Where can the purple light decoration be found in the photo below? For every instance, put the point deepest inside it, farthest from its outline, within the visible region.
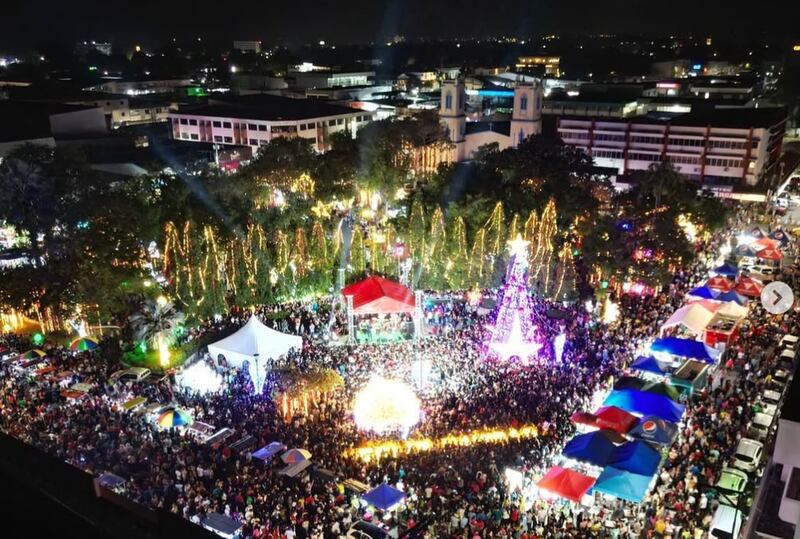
(514, 333)
(558, 346)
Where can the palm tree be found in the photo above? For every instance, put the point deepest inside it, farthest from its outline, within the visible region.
(155, 324)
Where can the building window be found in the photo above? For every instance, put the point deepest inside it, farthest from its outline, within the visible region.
(448, 101)
(340, 121)
(331, 122)
(538, 102)
(191, 122)
(184, 121)
(253, 142)
(252, 127)
(262, 127)
(523, 102)
(226, 125)
(217, 138)
(216, 123)
(194, 136)
(229, 140)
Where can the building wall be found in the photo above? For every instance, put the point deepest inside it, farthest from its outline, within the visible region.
(78, 123)
(702, 153)
(255, 133)
(474, 141)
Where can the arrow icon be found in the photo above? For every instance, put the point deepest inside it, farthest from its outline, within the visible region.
(775, 293)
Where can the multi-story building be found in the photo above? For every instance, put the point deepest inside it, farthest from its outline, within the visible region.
(247, 46)
(142, 87)
(719, 146)
(468, 137)
(305, 80)
(24, 122)
(119, 110)
(82, 48)
(252, 121)
(548, 65)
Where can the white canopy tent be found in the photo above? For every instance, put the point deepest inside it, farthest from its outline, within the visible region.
(731, 309)
(254, 338)
(693, 317)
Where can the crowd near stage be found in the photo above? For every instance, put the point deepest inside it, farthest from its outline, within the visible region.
(439, 416)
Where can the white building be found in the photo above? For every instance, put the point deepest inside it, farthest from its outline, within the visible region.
(306, 80)
(143, 87)
(247, 46)
(720, 146)
(526, 119)
(24, 122)
(253, 121)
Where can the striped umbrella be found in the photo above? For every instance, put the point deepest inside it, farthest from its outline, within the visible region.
(33, 354)
(174, 418)
(295, 455)
(83, 344)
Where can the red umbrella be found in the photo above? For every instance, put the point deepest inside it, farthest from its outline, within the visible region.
(566, 483)
(614, 418)
(765, 243)
(719, 283)
(748, 286)
(769, 253)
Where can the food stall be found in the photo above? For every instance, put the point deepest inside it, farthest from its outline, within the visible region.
(692, 376)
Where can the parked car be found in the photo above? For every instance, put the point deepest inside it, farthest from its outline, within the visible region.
(732, 483)
(748, 455)
(133, 374)
(761, 425)
(762, 272)
(726, 523)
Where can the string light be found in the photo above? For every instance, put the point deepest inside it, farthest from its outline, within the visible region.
(377, 450)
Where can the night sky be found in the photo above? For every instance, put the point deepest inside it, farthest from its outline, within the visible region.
(30, 22)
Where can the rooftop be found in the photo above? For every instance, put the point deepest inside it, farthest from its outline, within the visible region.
(501, 127)
(25, 120)
(733, 118)
(268, 108)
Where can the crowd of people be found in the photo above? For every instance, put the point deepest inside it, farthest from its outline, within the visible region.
(460, 492)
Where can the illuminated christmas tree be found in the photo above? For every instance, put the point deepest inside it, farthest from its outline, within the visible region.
(514, 333)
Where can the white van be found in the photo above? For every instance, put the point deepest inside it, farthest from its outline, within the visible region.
(726, 523)
(732, 483)
(760, 425)
(789, 340)
(748, 455)
(134, 374)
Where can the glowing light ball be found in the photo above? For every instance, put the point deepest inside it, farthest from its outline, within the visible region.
(385, 406)
(201, 378)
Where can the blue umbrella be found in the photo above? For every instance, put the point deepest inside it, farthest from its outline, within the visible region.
(592, 447)
(636, 457)
(384, 497)
(656, 430)
(621, 484)
(704, 292)
(727, 269)
(732, 296)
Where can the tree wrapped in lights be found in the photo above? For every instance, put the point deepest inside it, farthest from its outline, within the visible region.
(495, 231)
(477, 257)
(416, 232)
(514, 334)
(543, 248)
(457, 259)
(318, 252)
(565, 283)
(357, 252)
(300, 256)
(435, 260)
